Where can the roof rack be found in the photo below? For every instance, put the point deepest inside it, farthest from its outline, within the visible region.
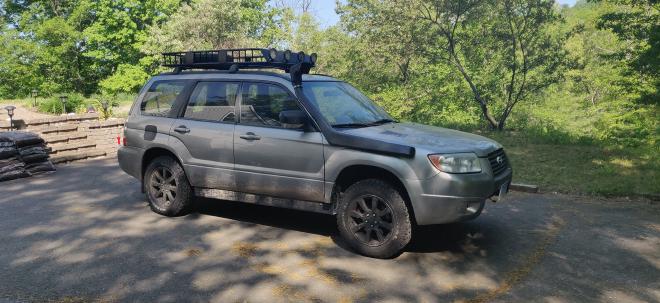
(240, 58)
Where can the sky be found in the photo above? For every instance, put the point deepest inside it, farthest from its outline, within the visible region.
(325, 11)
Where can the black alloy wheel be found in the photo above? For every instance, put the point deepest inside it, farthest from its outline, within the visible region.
(168, 190)
(163, 186)
(371, 220)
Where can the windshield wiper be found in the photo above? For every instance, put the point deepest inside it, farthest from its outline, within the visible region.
(358, 125)
(383, 121)
(351, 125)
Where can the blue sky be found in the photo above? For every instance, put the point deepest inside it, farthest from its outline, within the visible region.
(325, 10)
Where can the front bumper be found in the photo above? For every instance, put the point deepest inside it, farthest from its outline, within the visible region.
(447, 198)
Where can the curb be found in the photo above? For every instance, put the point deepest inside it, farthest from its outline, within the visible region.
(526, 188)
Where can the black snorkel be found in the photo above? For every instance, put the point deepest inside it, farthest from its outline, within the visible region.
(334, 136)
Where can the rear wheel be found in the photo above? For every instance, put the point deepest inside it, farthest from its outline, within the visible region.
(167, 187)
(373, 218)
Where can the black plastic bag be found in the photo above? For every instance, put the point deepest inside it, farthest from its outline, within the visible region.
(32, 150)
(10, 165)
(40, 167)
(7, 152)
(34, 158)
(16, 174)
(21, 139)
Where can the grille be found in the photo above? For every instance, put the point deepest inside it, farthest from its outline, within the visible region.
(498, 167)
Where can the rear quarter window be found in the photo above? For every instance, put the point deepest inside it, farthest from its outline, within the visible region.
(159, 99)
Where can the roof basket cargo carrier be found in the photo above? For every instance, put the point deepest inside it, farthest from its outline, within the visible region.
(294, 63)
(240, 58)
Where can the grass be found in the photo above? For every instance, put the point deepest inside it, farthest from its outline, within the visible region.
(27, 102)
(582, 168)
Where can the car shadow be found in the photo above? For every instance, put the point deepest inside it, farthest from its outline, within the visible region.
(426, 239)
(307, 222)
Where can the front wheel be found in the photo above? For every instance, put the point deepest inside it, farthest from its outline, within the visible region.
(373, 218)
(167, 187)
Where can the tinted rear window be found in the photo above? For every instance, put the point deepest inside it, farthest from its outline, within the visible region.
(160, 98)
(213, 101)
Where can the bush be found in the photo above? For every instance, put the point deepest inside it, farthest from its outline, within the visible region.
(53, 105)
(629, 127)
(127, 79)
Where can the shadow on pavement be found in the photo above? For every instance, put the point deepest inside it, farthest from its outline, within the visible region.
(427, 239)
(86, 232)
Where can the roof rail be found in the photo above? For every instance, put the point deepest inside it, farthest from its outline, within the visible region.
(239, 58)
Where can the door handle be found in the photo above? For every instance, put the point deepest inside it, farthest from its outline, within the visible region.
(250, 136)
(182, 129)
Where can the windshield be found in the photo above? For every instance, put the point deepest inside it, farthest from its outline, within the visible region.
(342, 105)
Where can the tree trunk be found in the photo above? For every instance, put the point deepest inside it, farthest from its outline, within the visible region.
(475, 91)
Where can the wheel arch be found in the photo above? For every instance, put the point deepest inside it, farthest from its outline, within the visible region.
(153, 153)
(354, 173)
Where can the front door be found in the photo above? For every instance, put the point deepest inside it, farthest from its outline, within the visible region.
(272, 158)
(206, 132)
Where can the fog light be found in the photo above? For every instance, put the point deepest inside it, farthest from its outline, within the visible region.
(472, 207)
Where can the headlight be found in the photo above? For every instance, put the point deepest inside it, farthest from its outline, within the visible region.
(456, 163)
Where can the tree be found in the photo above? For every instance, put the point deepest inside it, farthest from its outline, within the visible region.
(48, 39)
(17, 73)
(502, 49)
(208, 24)
(303, 5)
(593, 75)
(387, 39)
(75, 44)
(637, 22)
(119, 29)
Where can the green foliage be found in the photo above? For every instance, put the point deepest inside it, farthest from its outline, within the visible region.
(16, 78)
(70, 46)
(504, 51)
(107, 112)
(53, 105)
(629, 125)
(637, 22)
(209, 24)
(592, 74)
(120, 28)
(127, 79)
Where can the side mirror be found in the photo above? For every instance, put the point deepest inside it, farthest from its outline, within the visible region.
(295, 119)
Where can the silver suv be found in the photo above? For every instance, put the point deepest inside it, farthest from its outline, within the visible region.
(221, 127)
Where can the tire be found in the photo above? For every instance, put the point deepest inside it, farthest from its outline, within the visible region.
(167, 188)
(364, 226)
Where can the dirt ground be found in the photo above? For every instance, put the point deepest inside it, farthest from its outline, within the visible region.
(21, 113)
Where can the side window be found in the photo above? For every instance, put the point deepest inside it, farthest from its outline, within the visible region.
(159, 99)
(262, 104)
(213, 101)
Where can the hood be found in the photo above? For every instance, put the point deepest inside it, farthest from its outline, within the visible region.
(428, 138)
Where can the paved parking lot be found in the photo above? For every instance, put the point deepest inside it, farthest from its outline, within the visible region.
(85, 233)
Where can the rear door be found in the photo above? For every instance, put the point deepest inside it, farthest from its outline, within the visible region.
(151, 120)
(271, 158)
(206, 129)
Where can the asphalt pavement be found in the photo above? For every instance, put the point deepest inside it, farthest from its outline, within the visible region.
(86, 234)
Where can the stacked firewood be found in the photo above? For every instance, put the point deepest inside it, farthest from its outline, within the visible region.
(22, 154)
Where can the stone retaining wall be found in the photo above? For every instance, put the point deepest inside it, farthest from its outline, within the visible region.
(75, 137)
